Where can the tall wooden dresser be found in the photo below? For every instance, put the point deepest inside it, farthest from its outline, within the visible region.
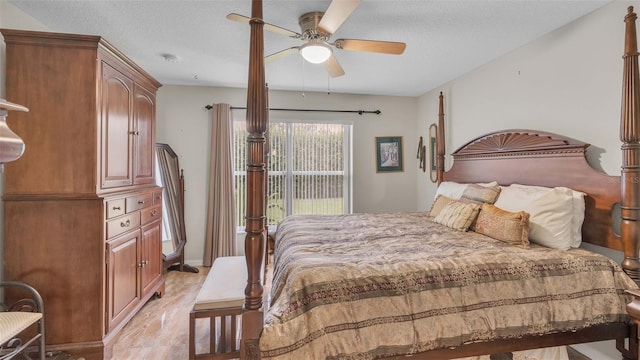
(82, 213)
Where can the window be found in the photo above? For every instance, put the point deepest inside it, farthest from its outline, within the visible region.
(308, 170)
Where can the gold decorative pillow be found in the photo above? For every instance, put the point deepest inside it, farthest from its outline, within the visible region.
(510, 227)
(440, 202)
(458, 215)
(481, 194)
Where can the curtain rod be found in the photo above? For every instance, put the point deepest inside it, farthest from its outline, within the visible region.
(359, 112)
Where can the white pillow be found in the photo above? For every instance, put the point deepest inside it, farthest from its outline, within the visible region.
(451, 189)
(550, 213)
(577, 215)
(454, 190)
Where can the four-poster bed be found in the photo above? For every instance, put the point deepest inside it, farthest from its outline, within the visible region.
(508, 157)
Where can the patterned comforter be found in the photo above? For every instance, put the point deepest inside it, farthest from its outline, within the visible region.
(362, 286)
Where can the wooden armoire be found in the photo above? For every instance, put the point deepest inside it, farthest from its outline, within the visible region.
(82, 213)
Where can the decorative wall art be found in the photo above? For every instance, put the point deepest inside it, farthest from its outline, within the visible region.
(433, 132)
(421, 155)
(389, 154)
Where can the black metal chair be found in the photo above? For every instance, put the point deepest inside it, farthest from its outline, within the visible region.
(26, 313)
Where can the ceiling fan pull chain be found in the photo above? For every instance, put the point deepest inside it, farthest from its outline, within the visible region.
(302, 62)
(328, 85)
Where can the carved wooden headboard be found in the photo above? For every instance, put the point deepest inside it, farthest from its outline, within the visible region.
(532, 157)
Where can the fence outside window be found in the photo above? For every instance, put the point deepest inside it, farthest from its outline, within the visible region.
(308, 169)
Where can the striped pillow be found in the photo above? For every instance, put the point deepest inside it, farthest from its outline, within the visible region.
(440, 202)
(458, 215)
(481, 194)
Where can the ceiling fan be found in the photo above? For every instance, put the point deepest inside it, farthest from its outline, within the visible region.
(316, 29)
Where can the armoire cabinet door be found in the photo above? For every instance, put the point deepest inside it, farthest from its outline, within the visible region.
(144, 134)
(150, 256)
(117, 128)
(123, 286)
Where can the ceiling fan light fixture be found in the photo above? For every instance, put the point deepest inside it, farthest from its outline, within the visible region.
(315, 52)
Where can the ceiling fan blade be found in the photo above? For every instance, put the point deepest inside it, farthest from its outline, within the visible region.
(337, 12)
(281, 54)
(384, 47)
(269, 27)
(333, 67)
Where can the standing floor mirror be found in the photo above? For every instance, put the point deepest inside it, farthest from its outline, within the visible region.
(174, 237)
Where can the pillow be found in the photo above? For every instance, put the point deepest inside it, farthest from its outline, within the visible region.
(510, 227)
(458, 215)
(549, 211)
(450, 189)
(577, 216)
(440, 202)
(455, 190)
(481, 194)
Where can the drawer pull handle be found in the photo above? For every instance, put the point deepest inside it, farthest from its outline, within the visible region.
(116, 208)
(154, 212)
(126, 223)
(140, 202)
(143, 263)
(134, 132)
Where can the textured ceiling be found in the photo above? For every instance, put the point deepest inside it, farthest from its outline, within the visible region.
(444, 38)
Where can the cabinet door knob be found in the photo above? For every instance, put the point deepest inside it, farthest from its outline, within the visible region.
(154, 212)
(125, 223)
(140, 202)
(134, 132)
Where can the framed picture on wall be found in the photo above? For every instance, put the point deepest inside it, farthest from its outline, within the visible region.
(389, 154)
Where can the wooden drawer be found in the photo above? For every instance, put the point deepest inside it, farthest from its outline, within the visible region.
(157, 197)
(115, 208)
(151, 214)
(123, 224)
(138, 202)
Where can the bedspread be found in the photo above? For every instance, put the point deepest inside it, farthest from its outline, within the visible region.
(361, 286)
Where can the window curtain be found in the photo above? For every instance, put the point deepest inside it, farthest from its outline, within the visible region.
(221, 222)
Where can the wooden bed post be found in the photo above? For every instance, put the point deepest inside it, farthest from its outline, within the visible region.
(440, 144)
(257, 120)
(630, 136)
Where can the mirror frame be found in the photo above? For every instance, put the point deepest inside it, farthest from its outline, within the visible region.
(172, 178)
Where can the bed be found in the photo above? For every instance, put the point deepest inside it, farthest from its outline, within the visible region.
(432, 292)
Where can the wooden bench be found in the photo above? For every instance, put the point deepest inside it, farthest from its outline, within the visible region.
(220, 300)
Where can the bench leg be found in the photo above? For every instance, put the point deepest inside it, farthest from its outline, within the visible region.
(192, 336)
